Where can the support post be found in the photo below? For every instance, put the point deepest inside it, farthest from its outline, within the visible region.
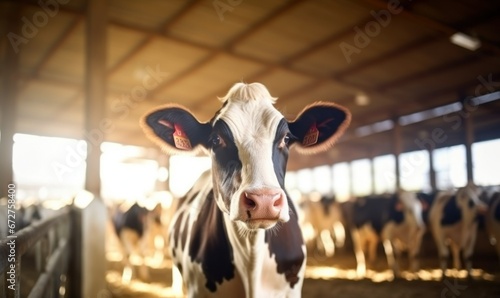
(469, 140)
(96, 125)
(351, 179)
(372, 172)
(8, 94)
(432, 172)
(398, 145)
(94, 217)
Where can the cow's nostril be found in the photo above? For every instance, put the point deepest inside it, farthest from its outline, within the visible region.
(278, 202)
(249, 203)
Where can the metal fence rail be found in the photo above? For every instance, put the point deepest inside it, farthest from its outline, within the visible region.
(48, 240)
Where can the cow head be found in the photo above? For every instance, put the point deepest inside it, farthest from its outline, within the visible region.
(248, 140)
(468, 197)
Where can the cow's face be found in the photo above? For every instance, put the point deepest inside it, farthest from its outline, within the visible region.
(249, 140)
(468, 197)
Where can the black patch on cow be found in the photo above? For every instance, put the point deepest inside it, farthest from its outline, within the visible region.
(280, 155)
(471, 203)
(427, 199)
(157, 219)
(285, 245)
(179, 266)
(396, 214)
(178, 232)
(227, 162)
(326, 203)
(496, 210)
(376, 211)
(132, 219)
(210, 245)
(452, 214)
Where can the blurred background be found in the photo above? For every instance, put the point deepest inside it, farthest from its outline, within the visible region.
(421, 79)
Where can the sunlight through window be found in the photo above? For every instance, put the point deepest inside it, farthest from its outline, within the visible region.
(361, 177)
(184, 171)
(322, 179)
(414, 171)
(450, 167)
(486, 161)
(385, 174)
(126, 173)
(48, 167)
(341, 181)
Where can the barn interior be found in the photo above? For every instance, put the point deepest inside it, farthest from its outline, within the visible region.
(416, 76)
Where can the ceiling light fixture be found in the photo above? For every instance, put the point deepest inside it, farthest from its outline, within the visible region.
(362, 99)
(465, 41)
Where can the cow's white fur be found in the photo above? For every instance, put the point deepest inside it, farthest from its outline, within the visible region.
(460, 236)
(253, 120)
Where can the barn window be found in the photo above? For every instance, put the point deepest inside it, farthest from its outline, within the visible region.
(450, 167)
(486, 162)
(361, 177)
(342, 181)
(291, 180)
(126, 172)
(414, 171)
(385, 174)
(48, 167)
(323, 179)
(184, 171)
(305, 181)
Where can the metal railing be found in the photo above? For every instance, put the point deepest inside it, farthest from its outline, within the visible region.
(41, 251)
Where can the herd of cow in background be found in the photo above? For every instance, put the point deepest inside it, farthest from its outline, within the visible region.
(396, 221)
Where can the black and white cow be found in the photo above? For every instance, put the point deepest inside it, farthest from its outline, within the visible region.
(395, 220)
(492, 217)
(324, 218)
(135, 227)
(491, 196)
(453, 220)
(236, 232)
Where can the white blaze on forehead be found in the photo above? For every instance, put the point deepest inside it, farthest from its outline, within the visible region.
(253, 120)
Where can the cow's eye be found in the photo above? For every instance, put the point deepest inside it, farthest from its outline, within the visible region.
(285, 141)
(216, 142)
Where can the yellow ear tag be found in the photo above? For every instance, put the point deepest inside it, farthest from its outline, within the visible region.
(311, 136)
(180, 139)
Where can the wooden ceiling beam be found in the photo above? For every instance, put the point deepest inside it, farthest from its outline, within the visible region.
(456, 88)
(56, 45)
(388, 55)
(430, 71)
(368, 118)
(150, 36)
(486, 47)
(163, 34)
(228, 46)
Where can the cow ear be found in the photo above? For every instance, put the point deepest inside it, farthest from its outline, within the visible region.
(319, 126)
(175, 129)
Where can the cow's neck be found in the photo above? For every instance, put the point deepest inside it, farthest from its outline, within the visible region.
(251, 258)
